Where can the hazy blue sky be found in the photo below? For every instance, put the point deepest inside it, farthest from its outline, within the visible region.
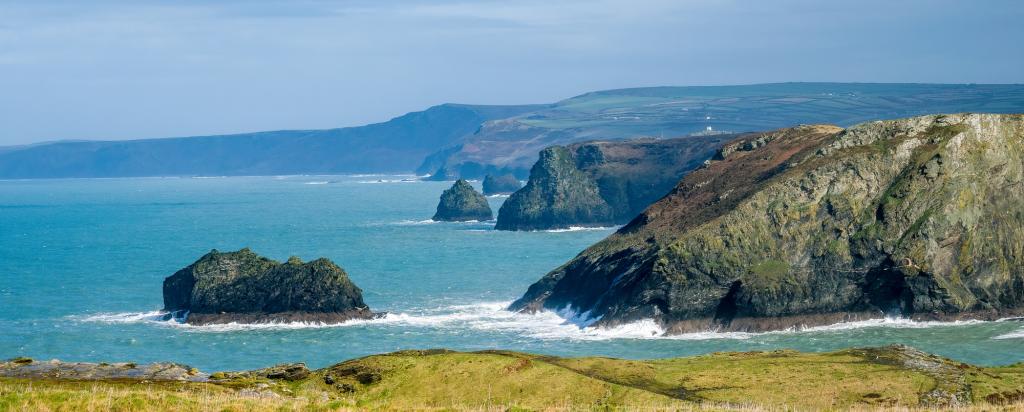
(131, 69)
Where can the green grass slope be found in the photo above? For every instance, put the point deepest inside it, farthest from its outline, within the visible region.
(879, 378)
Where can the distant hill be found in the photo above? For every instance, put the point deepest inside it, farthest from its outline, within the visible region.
(470, 141)
(512, 144)
(398, 145)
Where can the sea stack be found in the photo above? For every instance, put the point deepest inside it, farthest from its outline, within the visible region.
(504, 184)
(602, 183)
(243, 287)
(462, 203)
(918, 218)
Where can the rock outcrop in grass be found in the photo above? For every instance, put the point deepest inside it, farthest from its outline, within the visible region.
(243, 287)
(921, 218)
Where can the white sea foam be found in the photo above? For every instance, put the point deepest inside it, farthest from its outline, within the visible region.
(432, 222)
(318, 182)
(1012, 335)
(162, 318)
(579, 229)
(498, 196)
(131, 317)
(389, 181)
(563, 324)
(416, 222)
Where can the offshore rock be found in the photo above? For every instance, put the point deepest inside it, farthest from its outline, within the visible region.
(921, 218)
(602, 183)
(503, 184)
(244, 287)
(462, 203)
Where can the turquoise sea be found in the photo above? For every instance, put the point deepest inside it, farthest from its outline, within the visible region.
(82, 261)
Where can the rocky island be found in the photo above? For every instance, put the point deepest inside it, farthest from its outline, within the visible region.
(462, 203)
(243, 287)
(602, 183)
(501, 184)
(919, 218)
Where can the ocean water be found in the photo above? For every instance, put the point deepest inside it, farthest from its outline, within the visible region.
(82, 261)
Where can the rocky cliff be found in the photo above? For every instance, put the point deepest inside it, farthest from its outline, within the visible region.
(501, 184)
(920, 217)
(462, 203)
(602, 183)
(247, 288)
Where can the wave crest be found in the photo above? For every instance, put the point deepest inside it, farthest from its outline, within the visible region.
(563, 324)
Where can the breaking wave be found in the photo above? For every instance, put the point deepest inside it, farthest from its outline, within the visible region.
(1012, 335)
(408, 180)
(564, 324)
(580, 229)
(416, 222)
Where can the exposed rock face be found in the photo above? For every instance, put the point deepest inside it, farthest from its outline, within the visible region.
(285, 371)
(462, 203)
(247, 288)
(920, 217)
(502, 184)
(602, 183)
(26, 368)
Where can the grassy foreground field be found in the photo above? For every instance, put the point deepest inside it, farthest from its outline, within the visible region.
(891, 378)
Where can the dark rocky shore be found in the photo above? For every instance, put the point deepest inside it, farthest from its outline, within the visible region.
(244, 287)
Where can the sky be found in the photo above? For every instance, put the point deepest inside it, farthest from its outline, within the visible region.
(128, 69)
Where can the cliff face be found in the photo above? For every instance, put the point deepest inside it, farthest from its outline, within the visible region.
(245, 287)
(920, 217)
(602, 183)
(462, 203)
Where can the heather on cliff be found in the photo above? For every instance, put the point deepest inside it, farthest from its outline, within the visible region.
(920, 217)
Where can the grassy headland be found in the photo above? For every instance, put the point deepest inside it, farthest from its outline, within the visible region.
(892, 378)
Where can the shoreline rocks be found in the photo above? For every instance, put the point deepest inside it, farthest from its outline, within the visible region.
(244, 287)
(814, 225)
(27, 368)
(462, 203)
